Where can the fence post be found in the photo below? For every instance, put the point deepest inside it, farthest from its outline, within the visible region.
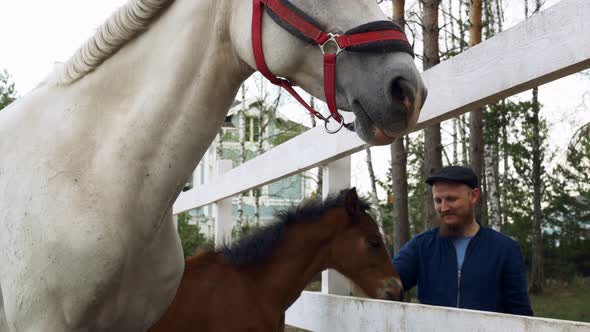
(221, 213)
(335, 178)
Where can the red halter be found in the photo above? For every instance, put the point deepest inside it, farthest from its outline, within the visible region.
(330, 44)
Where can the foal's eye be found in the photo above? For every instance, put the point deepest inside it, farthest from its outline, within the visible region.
(374, 243)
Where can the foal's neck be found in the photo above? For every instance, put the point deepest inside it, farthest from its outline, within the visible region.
(304, 252)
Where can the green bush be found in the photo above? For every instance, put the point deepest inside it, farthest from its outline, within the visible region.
(190, 235)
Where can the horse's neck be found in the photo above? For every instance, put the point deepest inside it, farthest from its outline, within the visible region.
(160, 100)
(305, 251)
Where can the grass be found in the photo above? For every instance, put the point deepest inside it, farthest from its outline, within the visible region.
(563, 301)
(568, 301)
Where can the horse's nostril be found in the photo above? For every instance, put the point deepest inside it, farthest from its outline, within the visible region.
(403, 92)
(393, 296)
(389, 296)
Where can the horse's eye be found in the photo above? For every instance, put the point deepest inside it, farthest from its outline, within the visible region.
(374, 243)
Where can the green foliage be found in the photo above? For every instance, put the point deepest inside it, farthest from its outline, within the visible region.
(565, 190)
(415, 169)
(516, 149)
(284, 131)
(190, 235)
(7, 90)
(568, 213)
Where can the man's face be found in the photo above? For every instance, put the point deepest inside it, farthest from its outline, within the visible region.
(454, 203)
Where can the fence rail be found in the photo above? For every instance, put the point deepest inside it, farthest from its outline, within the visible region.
(326, 313)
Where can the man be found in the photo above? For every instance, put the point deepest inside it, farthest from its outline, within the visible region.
(461, 263)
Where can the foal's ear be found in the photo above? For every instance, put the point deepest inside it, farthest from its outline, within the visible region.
(351, 202)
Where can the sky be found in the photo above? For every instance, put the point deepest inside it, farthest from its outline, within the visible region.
(34, 34)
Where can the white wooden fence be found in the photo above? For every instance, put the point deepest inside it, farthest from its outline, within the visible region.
(548, 46)
(321, 312)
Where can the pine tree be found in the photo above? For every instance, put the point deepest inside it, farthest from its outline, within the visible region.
(399, 174)
(537, 274)
(432, 136)
(242, 141)
(476, 146)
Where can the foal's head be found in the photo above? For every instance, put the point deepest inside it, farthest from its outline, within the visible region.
(358, 251)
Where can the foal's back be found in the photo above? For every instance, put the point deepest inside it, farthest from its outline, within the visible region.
(213, 296)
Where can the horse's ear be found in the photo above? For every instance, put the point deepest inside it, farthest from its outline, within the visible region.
(351, 202)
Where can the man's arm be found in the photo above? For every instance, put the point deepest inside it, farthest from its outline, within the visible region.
(514, 293)
(406, 264)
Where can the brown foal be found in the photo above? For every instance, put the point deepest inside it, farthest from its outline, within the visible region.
(249, 286)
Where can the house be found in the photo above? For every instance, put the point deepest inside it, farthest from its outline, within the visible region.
(265, 126)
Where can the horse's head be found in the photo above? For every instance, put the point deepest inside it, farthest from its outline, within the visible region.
(359, 253)
(378, 81)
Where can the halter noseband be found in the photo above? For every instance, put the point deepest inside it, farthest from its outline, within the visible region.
(378, 36)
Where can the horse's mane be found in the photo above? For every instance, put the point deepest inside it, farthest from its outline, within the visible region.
(257, 246)
(124, 24)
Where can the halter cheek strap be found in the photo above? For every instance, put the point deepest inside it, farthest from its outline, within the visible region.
(379, 36)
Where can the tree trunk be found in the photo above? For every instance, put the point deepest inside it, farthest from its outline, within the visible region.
(537, 271)
(464, 139)
(320, 175)
(432, 164)
(432, 138)
(399, 174)
(256, 193)
(399, 15)
(499, 14)
(455, 141)
(262, 116)
(219, 149)
(401, 222)
(461, 27)
(476, 153)
(493, 197)
(374, 197)
(459, 134)
(476, 117)
(242, 141)
(492, 146)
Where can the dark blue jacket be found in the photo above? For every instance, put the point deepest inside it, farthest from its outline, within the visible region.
(493, 276)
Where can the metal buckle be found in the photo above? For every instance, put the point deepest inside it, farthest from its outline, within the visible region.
(333, 131)
(331, 40)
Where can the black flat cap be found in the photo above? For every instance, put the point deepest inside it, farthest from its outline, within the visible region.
(459, 174)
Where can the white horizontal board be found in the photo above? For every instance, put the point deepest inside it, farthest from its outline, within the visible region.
(326, 313)
(548, 46)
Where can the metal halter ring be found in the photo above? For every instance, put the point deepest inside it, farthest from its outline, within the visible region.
(333, 40)
(337, 129)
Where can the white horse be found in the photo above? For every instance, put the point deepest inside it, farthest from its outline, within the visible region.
(92, 160)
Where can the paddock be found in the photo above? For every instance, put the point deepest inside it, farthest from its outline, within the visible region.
(548, 46)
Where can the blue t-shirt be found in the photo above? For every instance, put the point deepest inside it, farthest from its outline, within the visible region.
(460, 248)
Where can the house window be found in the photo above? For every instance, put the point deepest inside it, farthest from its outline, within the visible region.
(252, 129)
(230, 135)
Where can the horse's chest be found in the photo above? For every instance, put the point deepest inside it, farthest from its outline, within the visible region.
(99, 278)
(151, 280)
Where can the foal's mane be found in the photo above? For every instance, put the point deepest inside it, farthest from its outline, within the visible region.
(122, 26)
(261, 243)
